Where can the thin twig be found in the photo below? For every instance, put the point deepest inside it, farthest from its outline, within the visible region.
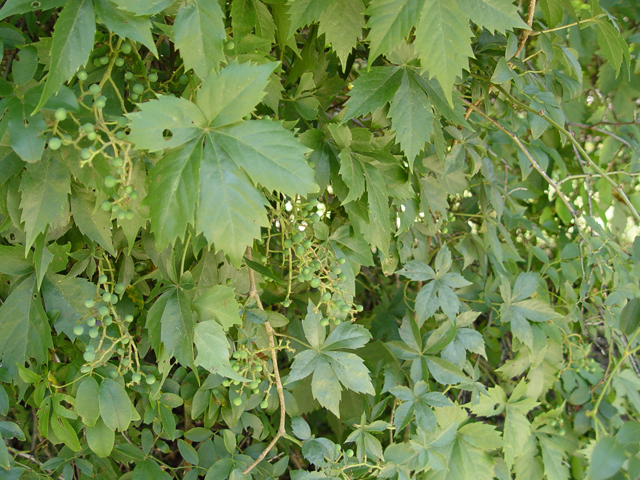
(253, 293)
(29, 457)
(604, 132)
(525, 33)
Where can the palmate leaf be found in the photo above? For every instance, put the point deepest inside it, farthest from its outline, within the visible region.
(389, 22)
(125, 24)
(219, 303)
(372, 90)
(342, 23)
(25, 327)
(443, 42)
(305, 12)
(213, 350)
(494, 15)
(177, 326)
(71, 45)
(143, 7)
(199, 35)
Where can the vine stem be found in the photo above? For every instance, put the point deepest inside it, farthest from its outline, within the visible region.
(253, 293)
(526, 33)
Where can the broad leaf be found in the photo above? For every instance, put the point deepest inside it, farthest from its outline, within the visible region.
(177, 325)
(125, 24)
(100, 439)
(342, 23)
(92, 222)
(219, 303)
(115, 406)
(494, 15)
(305, 12)
(213, 350)
(372, 91)
(389, 22)
(87, 401)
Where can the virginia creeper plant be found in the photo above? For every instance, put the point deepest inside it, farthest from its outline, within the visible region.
(319, 239)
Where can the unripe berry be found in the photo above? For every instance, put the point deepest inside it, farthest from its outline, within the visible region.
(89, 356)
(152, 77)
(61, 114)
(100, 102)
(85, 154)
(119, 288)
(93, 332)
(297, 237)
(299, 250)
(55, 143)
(342, 260)
(128, 75)
(349, 453)
(136, 377)
(78, 330)
(94, 89)
(150, 379)
(117, 162)
(85, 369)
(288, 243)
(109, 181)
(125, 48)
(138, 88)
(129, 215)
(82, 75)
(128, 318)
(120, 135)
(91, 321)
(113, 374)
(121, 215)
(106, 296)
(89, 303)
(286, 303)
(119, 62)
(183, 79)
(324, 322)
(103, 311)
(92, 136)
(104, 60)
(66, 139)
(264, 404)
(108, 320)
(229, 45)
(315, 283)
(237, 401)
(342, 277)
(326, 296)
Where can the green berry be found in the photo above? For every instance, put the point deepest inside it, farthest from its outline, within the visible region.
(315, 218)
(286, 303)
(314, 283)
(342, 277)
(87, 127)
(85, 369)
(120, 351)
(129, 215)
(133, 195)
(125, 340)
(359, 308)
(96, 62)
(308, 277)
(237, 401)
(119, 288)
(301, 277)
(326, 296)
(121, 215)
(117, 162)
(136, 377)
(134, 97)
(349, 453)
(297, 237)
(150, 379)
(119, 62)
(113, 374)
(344, 309)
(78, 330)
(324, 322)
(94, 89)
(92, 136)
(89, 348)
(342, 260)
(306, 244)
(229, 45)
(82, 75)
(264, 404)
(66, 139)
(152, 77)
(138, 88)
(337, 270)
(125, 48)
(89, 356)
(109, 181)
(120, 135)
(104, 60)
(106, 296)
(337, 321)
(106, 205)
(128, 75)
(100, 102)
(108, 320)
(61, 114)
(263, 259)
(93, 332)
(253, 385)
(125, 362)
(91, 321)
(103, 311)
(85, 154)
(226, 383)
(299, 250)
(128, 318)
(288, 243)
(183, 79)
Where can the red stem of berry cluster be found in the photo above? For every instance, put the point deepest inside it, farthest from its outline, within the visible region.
(253, 293)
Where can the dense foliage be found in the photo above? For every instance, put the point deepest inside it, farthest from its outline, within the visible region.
(314, 239)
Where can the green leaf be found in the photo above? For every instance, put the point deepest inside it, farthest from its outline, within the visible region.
(26, 332)
(167, 122)
(443, 42)
(149, 468)
(93, 222)
(352, 172)
(13, 261)
(42, 258)
(143, 7)
(630, 316)
(494, 15)
(305, 12)
(227, 97)
(115, 406)
(13, 7)
(125, 24)
(606, 459)
(4, 402)
(372, 91)
(219, 303)
(389, 22)
(269, 154)
(45, 186)
(445, 372)
(342, 23)
(25, 133)
(300, 428)
(612, 45)
(347, 335)
(100, 438)
(67, 296)
(188, 453)
(411, 117)
(555, 468)
(5, 458)
(65, 432)
(213, 350)
(173, 193)
(87, 401)
(71, 45)
(516, 433)
(176, 330)
(231, 210)
(199, 35)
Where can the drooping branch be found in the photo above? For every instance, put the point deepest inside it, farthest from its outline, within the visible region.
(253, 293)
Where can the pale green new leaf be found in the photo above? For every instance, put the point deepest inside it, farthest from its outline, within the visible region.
(213, 350)
(125, 24)
(92, 222)
(342, 25)
(45, 186)
(115, 406)
(389, 22)
(164, 123)
(494, 15)
(226, 97)
(269, 154)
(372, 91)
(100, 438)
(199, 35)
(443, 42)
(177, 325)
(305, 12)
(218, 303)
(173, 192)
(26, 332)
(71, 45)
(411, 117)
(231, 210)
